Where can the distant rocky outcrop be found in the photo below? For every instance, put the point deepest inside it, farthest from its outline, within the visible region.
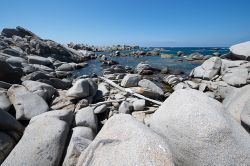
(24, 42)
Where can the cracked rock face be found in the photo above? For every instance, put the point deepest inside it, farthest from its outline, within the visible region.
(208, 69)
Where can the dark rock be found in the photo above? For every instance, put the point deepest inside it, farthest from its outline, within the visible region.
(36, 76)
(16, 61)
(9, 74)
(12, 52)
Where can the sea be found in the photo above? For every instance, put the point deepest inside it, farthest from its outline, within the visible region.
(94, 66)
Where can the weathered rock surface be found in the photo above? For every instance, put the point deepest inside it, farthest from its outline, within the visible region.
(241, 51)
(86, 117)
(80, 140)
(245, 116)
(16, 61)
(235, 73)
(100, 109)
(34, 76)
(42, 143)
(139, 105)
(150, 85)
(145, 69)
(62, 101)
(83, 88)
(130, 142)
(146, 92)
(208, 69)
(130, 80)
(39, 60)
(171, 80)
(4, 101)
(27, 104)
(103, 88)
(44, 90)
(125, 107)
(235, 102)
(200, 131)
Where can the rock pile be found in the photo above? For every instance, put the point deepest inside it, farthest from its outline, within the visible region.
(48, 118)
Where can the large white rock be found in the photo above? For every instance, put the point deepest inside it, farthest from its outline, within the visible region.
(200, 131)
(236, 76)
(42, 143)
(130, 80)
(235, 73)
(27, 104)
(241, 51)
(235, 102)
(150, 85)
(103, 88)
(125, 141)
(139, 105)
(208, 69)
(44, 90)
(83, 88)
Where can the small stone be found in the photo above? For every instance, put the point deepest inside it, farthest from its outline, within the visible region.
(139, 105)
(100, 109)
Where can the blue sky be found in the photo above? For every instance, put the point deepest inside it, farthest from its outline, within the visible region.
(144, 22)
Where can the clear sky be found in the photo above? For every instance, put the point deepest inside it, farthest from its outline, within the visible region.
(144, 22)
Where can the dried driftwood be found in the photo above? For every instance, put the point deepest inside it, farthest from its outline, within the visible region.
(105, 102)
(129, 91)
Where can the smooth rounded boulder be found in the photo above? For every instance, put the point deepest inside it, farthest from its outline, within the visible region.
(200, 131)
(86, 117)
(125, 141)
(130, 80)
(44, 90)
(82, 88)
(150, 85)
(43, 141)
(241, 51)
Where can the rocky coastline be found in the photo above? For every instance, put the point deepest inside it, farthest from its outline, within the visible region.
(126, 116)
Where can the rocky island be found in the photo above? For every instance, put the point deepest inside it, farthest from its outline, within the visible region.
(140, 115)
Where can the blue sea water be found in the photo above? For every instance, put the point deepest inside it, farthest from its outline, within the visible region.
(94, 66)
